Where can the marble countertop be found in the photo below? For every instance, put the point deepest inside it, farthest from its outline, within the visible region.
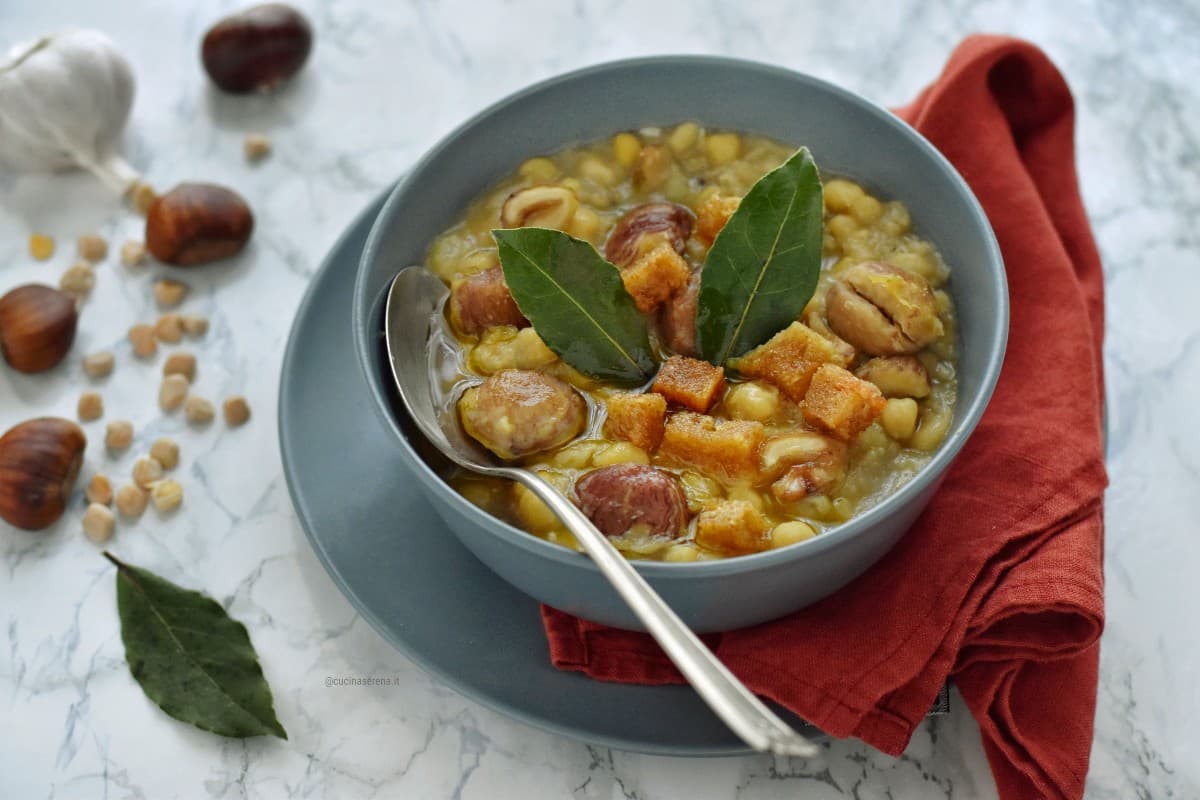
(385, 81)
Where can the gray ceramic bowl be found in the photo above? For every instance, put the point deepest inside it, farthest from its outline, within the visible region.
(848, 136)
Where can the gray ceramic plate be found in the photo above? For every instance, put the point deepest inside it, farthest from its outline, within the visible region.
(416, 585)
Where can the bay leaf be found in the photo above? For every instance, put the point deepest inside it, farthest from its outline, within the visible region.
(763, 267)
(191, 658)
(577, 303)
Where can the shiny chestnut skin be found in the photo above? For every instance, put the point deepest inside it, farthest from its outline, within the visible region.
(39, 462)
(195, 223)
(671, 219)
(257, 49)
(37, 327)
(618, 497)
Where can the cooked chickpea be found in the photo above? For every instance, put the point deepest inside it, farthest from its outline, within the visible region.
(620, 453)
(169, 328)
(195, 325)
(198, 410)
(752, 400)
(681, 553)
(533, 512)
(529, 351)
(586, 225)
(593, 169)
(142, 338)
(236, 410)
(934, 424)
(722, 148)
(118, 435)
(787, 533)
(169, 293)
(840, 195)
(172, 391)
(899, 417)
(78, 280)
(99, 364)
(90, 406)
(538, 170)
(131, 500)
(746, 494)
(625, 147)
(146, 470)
(180, 363)
(166, 452)
(166, 495)
(577, 455)
(133, 253)
(99, 490)
(92, 248)
(98, 523)
(841, 226)
(895, 220)
(866, 209)
(683, 138)
(843, 508)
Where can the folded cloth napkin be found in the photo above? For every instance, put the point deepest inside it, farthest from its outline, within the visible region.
(999, 585)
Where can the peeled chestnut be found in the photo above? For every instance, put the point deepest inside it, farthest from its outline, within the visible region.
(39, 461)
(37, 327)
(195, 223)
(257, 49)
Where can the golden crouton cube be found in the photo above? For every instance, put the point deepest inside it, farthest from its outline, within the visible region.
(840, 403)
(653, 278)
(690, 382)
(789, 358)
(637, 418)
(723, 449)
(712, 216)
(732, 527)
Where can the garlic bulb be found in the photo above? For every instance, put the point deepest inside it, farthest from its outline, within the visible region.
(64, 100)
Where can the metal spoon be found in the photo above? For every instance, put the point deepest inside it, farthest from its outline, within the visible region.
(414, 298)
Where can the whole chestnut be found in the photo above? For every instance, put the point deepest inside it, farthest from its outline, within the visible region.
(257, 49)
(39, 462)
(37, 327)
(195, 223)
(669, 219)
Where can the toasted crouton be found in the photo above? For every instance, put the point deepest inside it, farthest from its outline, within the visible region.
(789, 358)
(655, 276)
(637, 418)
(840, 403)
(723, 449)
(690, 382)
(732, 527)
(712, 216)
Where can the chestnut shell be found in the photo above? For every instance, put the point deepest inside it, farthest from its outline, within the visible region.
(257, 49)
(195, 223)
(37, 327)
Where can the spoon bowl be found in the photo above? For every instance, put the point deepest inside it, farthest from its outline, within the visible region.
(414, 301)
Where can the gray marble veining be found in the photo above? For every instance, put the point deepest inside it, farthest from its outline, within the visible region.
(385, 81)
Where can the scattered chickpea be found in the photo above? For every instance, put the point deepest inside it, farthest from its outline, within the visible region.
(195, 325)
(133, 253)
(98, 364)
(78, 279)
(141, 336)
(118, 435)
(146, 470)
(172, 391)
(131, 500)
(90, 406)
(142, 196)
(169, 328)
(99, 490)
(98, 523)
(166, 452)
(167, 495)
(786, 533)
(92, 248)
(256, 146)
(41, 246)
(169, 293)
(237, 411)
(181, 363)
(198, 410)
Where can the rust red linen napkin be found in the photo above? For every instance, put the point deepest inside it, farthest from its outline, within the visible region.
(999, 585)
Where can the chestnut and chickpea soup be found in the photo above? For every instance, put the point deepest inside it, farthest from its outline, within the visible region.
(708, 348)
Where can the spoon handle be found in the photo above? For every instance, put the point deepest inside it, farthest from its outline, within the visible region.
(728, 697)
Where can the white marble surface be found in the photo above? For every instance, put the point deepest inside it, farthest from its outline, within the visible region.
(385, 81)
